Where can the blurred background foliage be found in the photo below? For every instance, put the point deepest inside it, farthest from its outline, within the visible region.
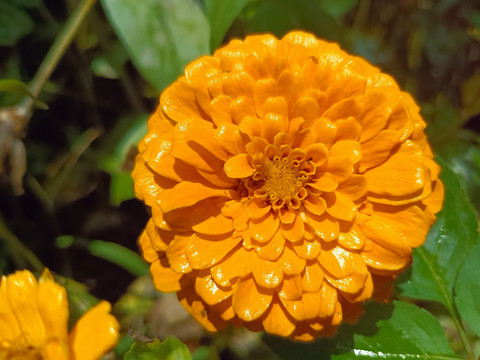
(75, 211)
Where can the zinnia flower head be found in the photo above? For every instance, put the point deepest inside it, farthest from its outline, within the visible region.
(34, 322)
(288, 183)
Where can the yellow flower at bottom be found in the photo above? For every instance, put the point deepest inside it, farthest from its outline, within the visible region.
(34, 322)
(288, 183)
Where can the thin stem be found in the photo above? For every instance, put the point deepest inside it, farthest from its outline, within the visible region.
(19, 251)
(461, 332)
(56, 52)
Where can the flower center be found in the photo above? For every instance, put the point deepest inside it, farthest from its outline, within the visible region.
(280, 177)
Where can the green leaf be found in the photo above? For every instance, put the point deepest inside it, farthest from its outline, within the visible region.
(119, 255)
(79, 299)
(221, 14)
(463, 157)
(436, 263)
(170, 349)
(280, 16)
(386, 331)
(467, 291)
(337, 8)
(160, 36)
(115, 156)
(15, 23)
(16, 86)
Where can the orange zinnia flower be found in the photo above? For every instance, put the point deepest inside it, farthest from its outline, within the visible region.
(34, 322)
(288, 182)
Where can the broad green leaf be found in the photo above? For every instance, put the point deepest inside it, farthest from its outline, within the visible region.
(15, 23)
(160, 36)
(436, 263)
(170, 349)
(119, 255)
(403, 331)
(386, 331)
(221, 14)
(467, 291)
(280, 16)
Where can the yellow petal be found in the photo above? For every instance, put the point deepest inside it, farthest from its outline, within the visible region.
(315, 204)
(307, 250)
(325, 182)
(348, 129)
(186, 194)
(257, 209)
(277, 321)
(349, 107)
(401, 175)
(306, 108)
(241, 108)
(215, 225)
(249, 300)
(224, 135)
(318, 153)
(377, 111)
(312, 277)
(19, 289)
(195, 143)
(352, 238)
(95, 333)
(377, 150)
(290, 85)
(326, 131)
(349, 149)
(53, 306)
(400, 121)
(146, 246)
(354, 187)
(263, 229)
(325, 226)
(178, 101)
(409, 222)
(291, 287)
(305, 138)
(263, 90)
(233, 267)
(203, 251)
(328, 302)
(238, 83)
(340, 167)
(293, 232)
(435, 200)
(339, 206)
(273, 249)
(305, 308)
(176, 255)
(190, 300)
(289, 261)
(220, 110)
(276, 105)
(164, 277)
(272, 124)
(266, 273)
(208, 290)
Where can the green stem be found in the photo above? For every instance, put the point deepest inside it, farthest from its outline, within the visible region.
(18, 249)
(461, 332)
(56, 52)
